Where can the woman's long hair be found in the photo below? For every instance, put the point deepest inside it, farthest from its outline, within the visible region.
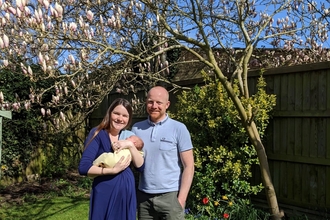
(105, 123)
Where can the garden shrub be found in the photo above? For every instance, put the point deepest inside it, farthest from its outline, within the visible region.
(21, 133)
(223, 153)
(25, 140)
(62, 152)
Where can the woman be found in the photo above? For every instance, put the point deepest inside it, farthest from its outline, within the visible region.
(113, 191)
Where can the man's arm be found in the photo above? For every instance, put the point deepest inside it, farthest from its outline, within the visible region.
(187, 159)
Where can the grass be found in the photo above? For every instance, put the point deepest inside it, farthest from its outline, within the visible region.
(57, 208)
(62, 198)
(57, 199)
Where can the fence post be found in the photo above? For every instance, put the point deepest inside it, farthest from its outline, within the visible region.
(6, 114)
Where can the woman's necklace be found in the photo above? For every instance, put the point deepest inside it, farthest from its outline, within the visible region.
(113, 138)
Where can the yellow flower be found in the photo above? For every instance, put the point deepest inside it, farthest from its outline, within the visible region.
(224, 197)
(230, 203)
(4, 167)
(216, 203)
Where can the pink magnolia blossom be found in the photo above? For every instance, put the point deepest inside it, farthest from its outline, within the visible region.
(41, 58)
(1, 97)
(7, 16)
(5, 62)
(46, 4)
(59, 10)
(16, 106)
(31, 96)
(44, 66)
(19, 12)
(12, 10)
(3, 21)
(27, 11)
(73, 26)
(62, 116)
(30, 71)
(65, 90)
(27, 105)
(71, 59)
(5, 40)
(90, 15)
(19, 4)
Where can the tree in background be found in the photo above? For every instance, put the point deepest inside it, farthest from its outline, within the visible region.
(87, 48)
(80, 46)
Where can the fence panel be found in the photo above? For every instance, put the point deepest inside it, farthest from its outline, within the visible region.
(297, 142)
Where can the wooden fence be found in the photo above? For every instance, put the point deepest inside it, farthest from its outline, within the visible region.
(298, 137)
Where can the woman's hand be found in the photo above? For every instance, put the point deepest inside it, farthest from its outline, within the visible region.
(122, 144)
(122, 164)
(137, 158)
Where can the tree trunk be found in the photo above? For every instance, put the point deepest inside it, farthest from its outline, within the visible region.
(265, 173)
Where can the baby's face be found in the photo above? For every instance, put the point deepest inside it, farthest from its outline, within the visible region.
(135, 141)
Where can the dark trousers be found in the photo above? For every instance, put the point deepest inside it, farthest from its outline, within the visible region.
(162, 206)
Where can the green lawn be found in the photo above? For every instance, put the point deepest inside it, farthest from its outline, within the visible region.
(57, 208)
(60, 199)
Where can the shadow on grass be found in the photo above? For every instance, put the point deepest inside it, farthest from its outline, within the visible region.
(61, 208)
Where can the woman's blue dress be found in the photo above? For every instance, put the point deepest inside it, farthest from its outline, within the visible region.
(113, 197)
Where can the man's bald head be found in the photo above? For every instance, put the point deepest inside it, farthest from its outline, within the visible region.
(157, 103)
(161, 91)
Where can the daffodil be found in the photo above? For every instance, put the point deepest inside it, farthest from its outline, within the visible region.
(225, 197)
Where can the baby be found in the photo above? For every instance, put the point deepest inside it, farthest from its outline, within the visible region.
(110, 159)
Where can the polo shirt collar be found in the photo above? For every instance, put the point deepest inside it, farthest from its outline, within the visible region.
(158, 123)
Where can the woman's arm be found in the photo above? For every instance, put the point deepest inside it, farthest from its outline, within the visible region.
(121, 165)
(86, 166)
(137, 157)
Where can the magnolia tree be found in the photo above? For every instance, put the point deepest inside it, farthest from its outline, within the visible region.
(92, 47)
(85, 49)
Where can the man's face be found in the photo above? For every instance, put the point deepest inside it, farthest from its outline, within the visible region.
(157, 104)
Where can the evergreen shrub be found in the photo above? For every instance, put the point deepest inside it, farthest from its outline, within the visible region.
(222, 151)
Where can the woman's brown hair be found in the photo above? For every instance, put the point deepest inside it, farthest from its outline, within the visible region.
(105, 123)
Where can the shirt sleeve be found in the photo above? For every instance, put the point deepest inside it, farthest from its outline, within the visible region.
(125, 134)
(184, 138)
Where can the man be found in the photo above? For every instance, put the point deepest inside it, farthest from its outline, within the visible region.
(169, 162)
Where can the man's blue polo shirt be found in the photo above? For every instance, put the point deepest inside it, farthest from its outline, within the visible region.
(162, 143)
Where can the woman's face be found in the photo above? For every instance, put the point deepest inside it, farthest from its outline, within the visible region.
(119, 118)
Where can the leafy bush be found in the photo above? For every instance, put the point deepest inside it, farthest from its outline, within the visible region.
(237, 209)
(25, 138)
(223, 153)
(21, 133)
(62, 153)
